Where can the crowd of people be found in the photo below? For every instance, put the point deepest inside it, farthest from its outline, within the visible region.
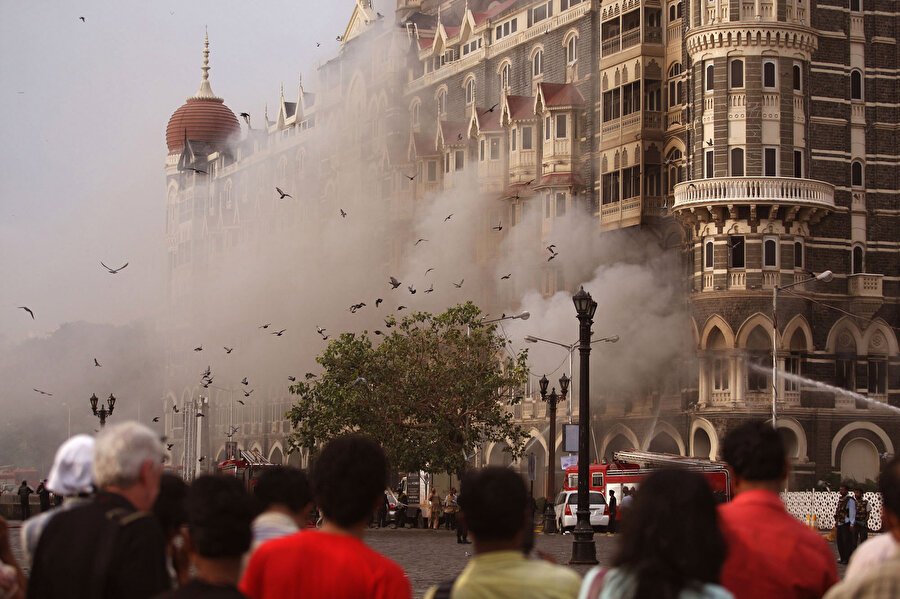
(128, 530)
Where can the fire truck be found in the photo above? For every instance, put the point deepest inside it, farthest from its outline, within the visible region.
(245, 465)
(630, 468)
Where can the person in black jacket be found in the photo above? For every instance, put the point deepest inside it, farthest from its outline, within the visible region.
(112, 547)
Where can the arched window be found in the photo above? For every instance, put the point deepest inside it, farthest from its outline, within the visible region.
(858, 265)
(855, 5)
(537, 64)
(856, 173)
(504, 76)
(737, 162)
(571, 53)
(708, 255)
(798, 254)
(770, 252)
(737, 73)
(798, 78)
(671, 12)
(470, 90)
(855, 85)
(769, 78)
(709, 80)
(414, 112)
(442, 102)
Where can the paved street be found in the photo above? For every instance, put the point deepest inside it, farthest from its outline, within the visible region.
(430, 556)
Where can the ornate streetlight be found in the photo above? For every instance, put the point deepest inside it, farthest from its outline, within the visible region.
(549, 512)
(584, 551)
(102, 413)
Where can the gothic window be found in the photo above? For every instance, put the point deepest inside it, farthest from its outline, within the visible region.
(855, 85)
(708, 254)
(571, 52)
(770, 162)
(736, 247)
(858, 260)
(470, 90)
(737, 162)
(856, 173)
(736, 73)
(798, 77)
(708, 77)
(769, 78)
(537, 64)
(798, 254)
(504, 76)
(770, 252)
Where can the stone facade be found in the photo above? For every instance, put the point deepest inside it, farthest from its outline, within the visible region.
(758, 138)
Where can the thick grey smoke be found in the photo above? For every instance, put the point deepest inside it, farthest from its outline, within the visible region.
(305, 265)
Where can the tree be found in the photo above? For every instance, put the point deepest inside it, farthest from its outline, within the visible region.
(431, 392)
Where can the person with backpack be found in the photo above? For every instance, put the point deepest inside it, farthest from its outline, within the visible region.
(112, 546)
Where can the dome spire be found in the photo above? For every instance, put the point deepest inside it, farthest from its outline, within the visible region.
(205, 92)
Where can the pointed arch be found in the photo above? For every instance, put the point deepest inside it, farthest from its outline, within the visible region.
(276, 453)
(860, 425)
(843, 324)
(716, 322)
(615, 431)
(664, 428)
(870, 339)
(707, 427)
(756, 320)
(797, 323)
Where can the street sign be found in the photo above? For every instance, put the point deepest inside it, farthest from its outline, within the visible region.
(568, 461)
(531, 467)
(570, 438)
(412, 488)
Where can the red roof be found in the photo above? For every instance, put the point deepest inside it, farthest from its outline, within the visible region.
(201, 119)
(561, 94)
(425, 43)
(489, 121)
(496, 9)
(560, 180)
(424, 145)
(454, 133)
(520, 107)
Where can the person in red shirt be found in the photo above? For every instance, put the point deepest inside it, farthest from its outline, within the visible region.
(348, 477)
(770, 553)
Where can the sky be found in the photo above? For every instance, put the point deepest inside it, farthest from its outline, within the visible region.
(86, 105)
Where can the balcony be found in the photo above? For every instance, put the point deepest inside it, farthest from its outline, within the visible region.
(718, 198)
(866, 295)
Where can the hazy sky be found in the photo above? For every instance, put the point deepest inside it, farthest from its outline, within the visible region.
(86, 106)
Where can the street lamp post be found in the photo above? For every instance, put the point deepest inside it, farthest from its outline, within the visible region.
(825, 276)
(570, 348)
(583, 549)
(552, 400)
(102, 413)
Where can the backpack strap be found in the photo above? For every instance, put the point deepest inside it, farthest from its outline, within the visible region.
(444, 589)
(115, 519)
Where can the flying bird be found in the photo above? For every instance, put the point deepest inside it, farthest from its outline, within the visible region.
(360, 379)
(265, 326)
(246, 117)
(420, 241)
(400, 308)
(709, 142)
(113, 271)
(228, 350)
(320, 330)
(200, 415)
(198, 348)
(343, 214)
(282, 194)
(448, 217)
(241, 401)
(377, 332)
(387, 323)
(175, 409)
(378, 302)
(292, 379)
(203, 457)
(338, 38)
(96, 363)
(206, 372)
(529, 182)
(552, 256)
(318, 44)
(551, 248)
(310, 375)
(410, 178)
(156, 419)
(459, 285)
(430, 289)
(27, 309)
(42, 392)
(491, 109)
(412, 289)
(325, 337)
(459, 137)
(247, 393)
(395, 283)
(506, 276)
(279, 333)
(169, 446)
(82, 19)
(499, 226)
(244, 381)
(428, 270)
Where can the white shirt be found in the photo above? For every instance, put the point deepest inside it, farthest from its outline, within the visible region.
(871, 553)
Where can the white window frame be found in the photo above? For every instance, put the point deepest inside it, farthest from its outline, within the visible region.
(537, 63)
(774, 74)
(529, 138)
(708, 241)
(565, 122)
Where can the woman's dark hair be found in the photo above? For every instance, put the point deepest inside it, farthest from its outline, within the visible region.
(493, 501)
(671, 538)
(220, 512)
(285, 485)
(348, 476)
(169, 507)
(755, 451)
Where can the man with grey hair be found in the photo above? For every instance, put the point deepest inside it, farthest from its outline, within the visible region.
(112, 547)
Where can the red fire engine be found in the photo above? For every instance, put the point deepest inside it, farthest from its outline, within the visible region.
(630, 468)
(246, 466)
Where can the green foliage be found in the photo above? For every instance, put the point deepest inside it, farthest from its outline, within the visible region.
(430, 392)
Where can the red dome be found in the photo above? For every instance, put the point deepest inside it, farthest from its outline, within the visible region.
(204, 119)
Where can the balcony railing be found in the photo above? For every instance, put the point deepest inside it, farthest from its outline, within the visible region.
(631, 38)
(754, 190)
